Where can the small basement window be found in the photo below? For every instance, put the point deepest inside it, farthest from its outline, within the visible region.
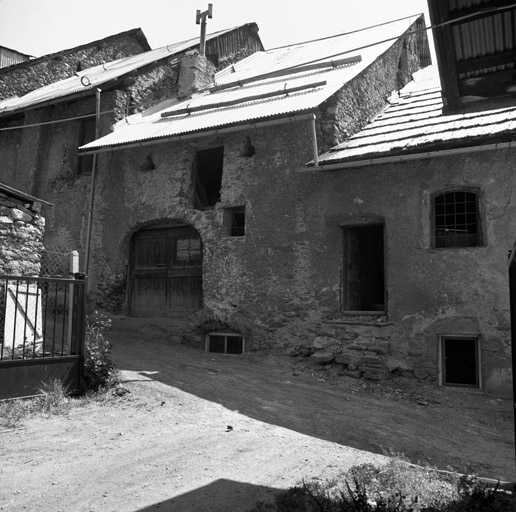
(207, 177)
(460, 361)
(225, 343)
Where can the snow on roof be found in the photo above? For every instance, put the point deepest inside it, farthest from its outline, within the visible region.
(276, 83)
(414, 122)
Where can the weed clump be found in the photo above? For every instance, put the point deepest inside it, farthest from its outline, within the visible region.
(397, 486)
(52, 400)
(99, 371)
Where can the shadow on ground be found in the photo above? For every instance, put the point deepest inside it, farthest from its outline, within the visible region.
(466, 432)
(222, 495)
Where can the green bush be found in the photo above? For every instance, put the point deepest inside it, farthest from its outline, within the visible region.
(99, 370)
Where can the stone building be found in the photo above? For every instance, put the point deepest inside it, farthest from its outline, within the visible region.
(50, 109)
(26, 75)
(204, 210)
(22, 227)
(429, 184)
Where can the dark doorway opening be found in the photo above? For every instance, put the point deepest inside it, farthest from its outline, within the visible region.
(207, 177)
(460, 361)
(363, 269)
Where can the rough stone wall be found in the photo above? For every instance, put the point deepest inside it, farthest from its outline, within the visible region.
(21, 236)
(151, 87)
(360, 100)
(281, 283)
(21, 79)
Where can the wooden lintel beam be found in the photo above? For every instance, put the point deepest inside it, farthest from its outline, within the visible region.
(486, 61)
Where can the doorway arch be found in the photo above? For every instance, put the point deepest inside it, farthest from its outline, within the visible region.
(165, 271)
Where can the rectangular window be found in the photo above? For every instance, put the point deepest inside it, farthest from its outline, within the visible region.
(456, 219)
(225, 343)
(207, 177)
(234, 221)
(86, 134)
(363, 286)
(460, 361)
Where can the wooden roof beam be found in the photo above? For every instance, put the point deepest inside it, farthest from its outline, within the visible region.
(486, 61)
(480, 10)
(446, 54)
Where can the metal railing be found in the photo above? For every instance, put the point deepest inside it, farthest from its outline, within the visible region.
(40, 317)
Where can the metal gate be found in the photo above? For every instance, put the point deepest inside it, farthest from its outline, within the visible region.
(42, 329)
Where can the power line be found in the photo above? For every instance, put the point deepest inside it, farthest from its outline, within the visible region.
(43, 123)
(481, 12)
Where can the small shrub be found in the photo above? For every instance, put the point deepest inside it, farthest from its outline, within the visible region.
(99, 370)
(475, 496)
(419, 486)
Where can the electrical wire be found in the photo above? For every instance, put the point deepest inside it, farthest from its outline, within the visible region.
(43, 123)
(481, 12)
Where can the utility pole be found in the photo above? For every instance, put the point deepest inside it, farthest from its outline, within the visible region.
(200, 18)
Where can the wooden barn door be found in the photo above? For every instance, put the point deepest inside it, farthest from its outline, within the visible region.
(166, 272)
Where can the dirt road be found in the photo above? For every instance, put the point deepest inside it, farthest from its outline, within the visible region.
(167, 444)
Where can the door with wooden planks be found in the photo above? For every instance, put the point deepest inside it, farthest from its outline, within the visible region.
(165, 272)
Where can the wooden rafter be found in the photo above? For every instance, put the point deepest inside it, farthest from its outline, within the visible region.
(446, 54)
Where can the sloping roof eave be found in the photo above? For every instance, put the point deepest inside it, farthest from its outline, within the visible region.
(18, 194)
(421, 152)
(201, 132)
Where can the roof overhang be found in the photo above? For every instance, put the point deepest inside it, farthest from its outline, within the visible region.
(410, 157)
(476, 50)
(199, 134)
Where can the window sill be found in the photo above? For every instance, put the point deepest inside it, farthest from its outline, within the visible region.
(364, 313)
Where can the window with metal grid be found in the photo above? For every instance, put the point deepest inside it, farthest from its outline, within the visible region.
(456, 219)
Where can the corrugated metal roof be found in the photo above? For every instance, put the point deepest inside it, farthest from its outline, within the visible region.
(10, 57)
(260, 86)
(414, 123)
(98, 75)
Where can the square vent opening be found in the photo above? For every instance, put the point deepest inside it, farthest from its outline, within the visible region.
(225, 343)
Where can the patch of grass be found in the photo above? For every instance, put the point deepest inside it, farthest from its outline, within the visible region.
(13, 412)
(51, 400)
(397, 486)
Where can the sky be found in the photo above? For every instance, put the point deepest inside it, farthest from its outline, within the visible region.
(40, 27)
